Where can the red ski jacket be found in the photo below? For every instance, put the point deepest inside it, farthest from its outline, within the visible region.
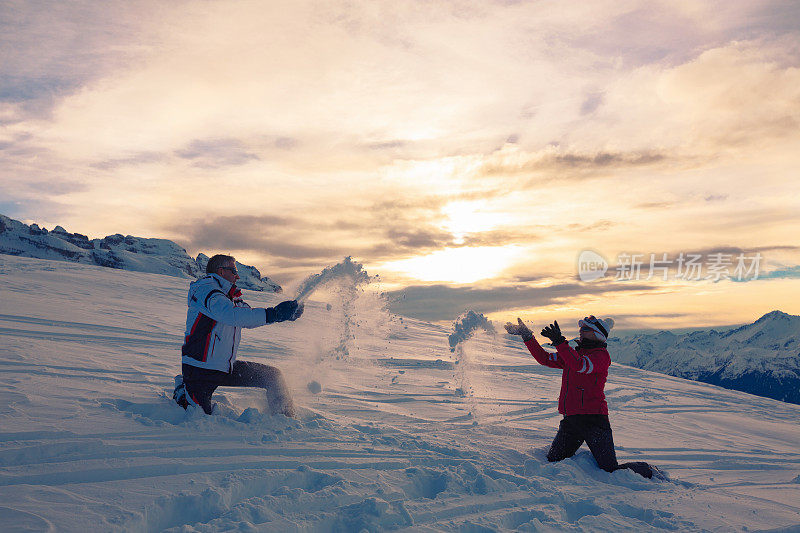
(583, 378)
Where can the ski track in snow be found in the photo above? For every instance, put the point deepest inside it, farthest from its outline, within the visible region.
(91, 440)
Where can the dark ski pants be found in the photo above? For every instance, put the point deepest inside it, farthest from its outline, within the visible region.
(201, 383)
(595, 430)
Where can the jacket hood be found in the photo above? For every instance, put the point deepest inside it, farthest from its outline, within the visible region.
(211, 280)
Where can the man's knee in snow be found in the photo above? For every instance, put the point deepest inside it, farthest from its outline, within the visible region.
(268, 377)
(274, 377)
(554, 457)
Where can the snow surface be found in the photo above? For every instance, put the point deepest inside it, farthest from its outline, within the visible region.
(91, 441)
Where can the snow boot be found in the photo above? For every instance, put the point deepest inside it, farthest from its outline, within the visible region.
(179, 394)
(640, 467)
(659, 474)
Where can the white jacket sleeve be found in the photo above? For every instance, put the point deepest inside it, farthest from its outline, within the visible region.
(221, 309)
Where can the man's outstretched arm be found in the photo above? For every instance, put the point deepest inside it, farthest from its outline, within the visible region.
(222, 309)
(288, 310)
(219, 307)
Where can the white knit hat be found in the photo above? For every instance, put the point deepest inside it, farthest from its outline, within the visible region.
(601, 326)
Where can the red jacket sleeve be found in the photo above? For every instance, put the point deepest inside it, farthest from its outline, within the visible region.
(544, 358)
(591, 362)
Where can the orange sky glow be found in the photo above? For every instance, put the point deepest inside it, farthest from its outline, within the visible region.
(467, 152)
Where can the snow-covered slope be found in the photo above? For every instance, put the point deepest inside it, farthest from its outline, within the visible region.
(91, 441)
(138, 254)
(760, 358)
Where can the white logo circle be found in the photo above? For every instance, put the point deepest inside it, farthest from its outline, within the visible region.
(591, 265)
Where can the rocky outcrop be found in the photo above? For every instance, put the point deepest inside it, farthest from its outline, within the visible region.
(125, 252)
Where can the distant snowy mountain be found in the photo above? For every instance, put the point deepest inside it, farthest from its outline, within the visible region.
(138, 254)
(761, 358)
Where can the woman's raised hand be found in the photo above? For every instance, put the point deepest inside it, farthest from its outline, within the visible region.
(519, 329)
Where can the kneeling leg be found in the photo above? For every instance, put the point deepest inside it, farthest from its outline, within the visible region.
(565, 444)
(601, 443)
(251, 374)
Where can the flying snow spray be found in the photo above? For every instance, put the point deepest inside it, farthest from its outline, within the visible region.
(347, 279)
(464, 328)
(347, 270)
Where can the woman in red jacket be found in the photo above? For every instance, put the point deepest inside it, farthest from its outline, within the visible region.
(582, 400)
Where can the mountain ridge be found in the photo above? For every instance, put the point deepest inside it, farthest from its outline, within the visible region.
(124, 252)
(761, 358)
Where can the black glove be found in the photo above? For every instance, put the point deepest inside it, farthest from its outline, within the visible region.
(553, 332)
(288, 310)
(519, 329)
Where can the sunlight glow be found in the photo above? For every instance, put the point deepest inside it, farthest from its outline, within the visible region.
(457, 265)
(471, 217)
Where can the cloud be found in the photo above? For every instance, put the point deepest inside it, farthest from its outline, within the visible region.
(30, 210)
(216, 153)
(716, 197)
(286, 143)
(500, 237)
(752, 217)
(699, 264)
(640, 35)
(141, 158)
(443, 302)
(655, 205)
(16, 89)
(592, 102)
(388, 231)
(792, 272)
(264, 236)
(52, 49)
(413, 238)
(387, 145)
(554, 126)
(554, 163)
(600, 225)
(9, 209)
(32, 172)
(742, 90)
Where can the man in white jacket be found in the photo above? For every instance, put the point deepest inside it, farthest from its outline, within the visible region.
(214, 322)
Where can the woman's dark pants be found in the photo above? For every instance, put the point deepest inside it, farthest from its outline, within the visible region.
(595, 430)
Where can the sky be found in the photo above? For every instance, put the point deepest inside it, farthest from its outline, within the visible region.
(467, 152)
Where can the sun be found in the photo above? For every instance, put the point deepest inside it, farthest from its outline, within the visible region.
(471, 216)
(457, 265)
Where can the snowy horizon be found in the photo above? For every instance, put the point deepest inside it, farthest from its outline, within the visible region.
(423, 302)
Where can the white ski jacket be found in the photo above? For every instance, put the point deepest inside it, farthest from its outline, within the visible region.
(214, 323)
